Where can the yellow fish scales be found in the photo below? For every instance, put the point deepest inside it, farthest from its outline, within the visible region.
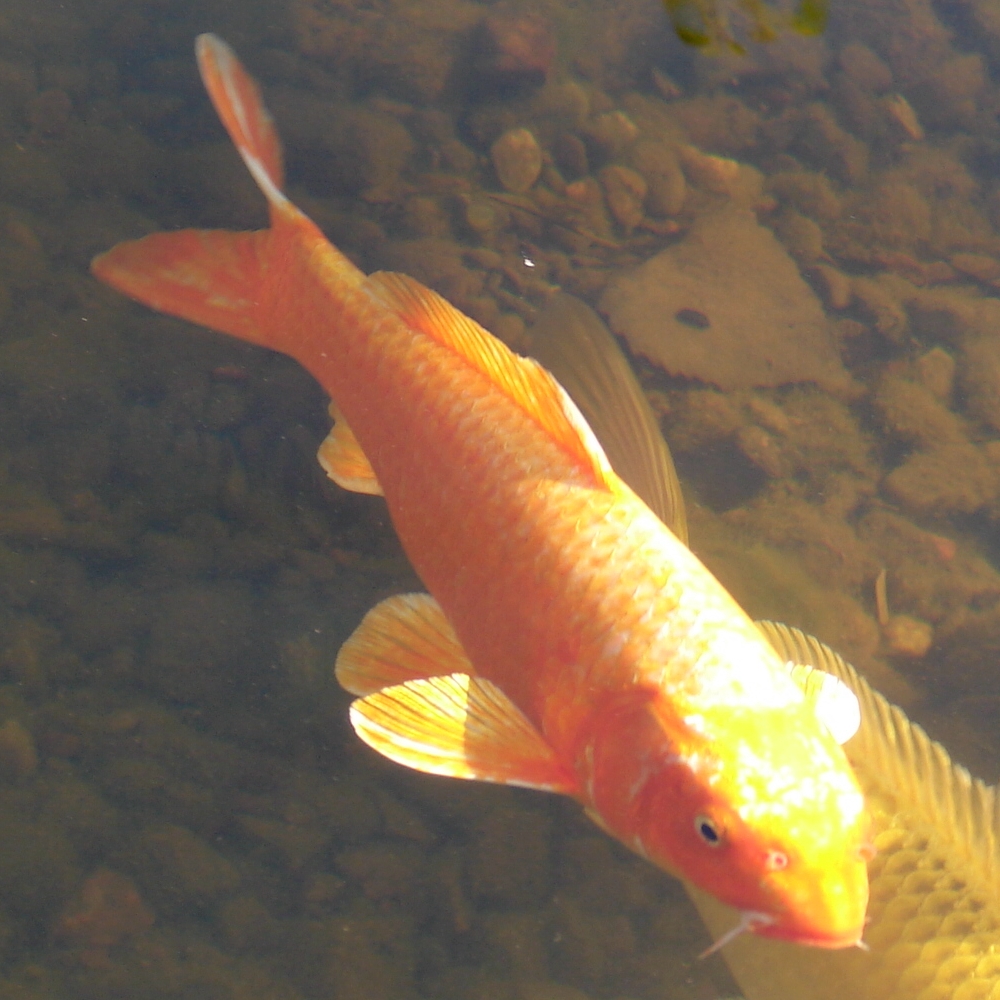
(933, 930)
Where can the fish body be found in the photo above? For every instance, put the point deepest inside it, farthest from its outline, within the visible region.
(570, 641)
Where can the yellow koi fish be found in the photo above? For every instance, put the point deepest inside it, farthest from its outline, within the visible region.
(933, 930)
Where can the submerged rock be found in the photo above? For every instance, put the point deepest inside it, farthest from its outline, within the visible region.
(517, 160)
(727, 306)
(517, 47)
(105, 912)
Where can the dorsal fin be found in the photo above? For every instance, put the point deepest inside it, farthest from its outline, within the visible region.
(524, 381)
(570, 339)
(897, 756)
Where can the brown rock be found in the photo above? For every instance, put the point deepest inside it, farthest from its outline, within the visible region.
(657, 162)
(107, 910)
(979, 379)
(835, 286)
(517, 160)
(953, 478)
(183, 869)
(518, 46)
(936, 372)
(822, 141)
(979, 266)
(727, 306)
(864, 68)
(908, 637)
(625, 191)
(18, 753)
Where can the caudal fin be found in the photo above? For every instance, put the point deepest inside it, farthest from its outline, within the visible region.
(212, 277)
(238, 103)
(207, 276)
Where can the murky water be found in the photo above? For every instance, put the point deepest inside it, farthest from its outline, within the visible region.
(184, 811)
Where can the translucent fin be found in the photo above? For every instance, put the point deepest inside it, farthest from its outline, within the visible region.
(343, 461)
(237, 283)
(403, 638)
(832, 700)
(573, 343)
(461, 727)
(812, 665)
(523, 380)
(206, 276)
(211, 277)
(238, 103)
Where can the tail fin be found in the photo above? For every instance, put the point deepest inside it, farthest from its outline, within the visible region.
(238, 103)
(209, 277)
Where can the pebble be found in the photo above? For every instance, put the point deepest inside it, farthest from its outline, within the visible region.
(517, 160)
(864, 68)
(625, 190)
(719, 174)
(518, 46)
(612, 132)
(900, 111)
(909, 637)
(571, 155)
(657, 162)
(834, 286)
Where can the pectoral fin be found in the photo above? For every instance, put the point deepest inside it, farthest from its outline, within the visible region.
(461, 727)
(344, 461)
(812, 665)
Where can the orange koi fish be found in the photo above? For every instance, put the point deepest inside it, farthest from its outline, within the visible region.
(569, 641)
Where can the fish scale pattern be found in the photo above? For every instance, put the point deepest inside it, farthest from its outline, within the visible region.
(934, 932)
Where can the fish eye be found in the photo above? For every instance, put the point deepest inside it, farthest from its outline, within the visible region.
(708, 830)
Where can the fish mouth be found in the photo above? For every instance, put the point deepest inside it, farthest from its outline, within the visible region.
(809, 936)
(816, 908)
(765, 925)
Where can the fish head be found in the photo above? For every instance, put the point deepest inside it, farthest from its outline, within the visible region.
(761, 810)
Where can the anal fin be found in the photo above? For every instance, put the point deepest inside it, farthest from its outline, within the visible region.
(460, 727)
(343, 461)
